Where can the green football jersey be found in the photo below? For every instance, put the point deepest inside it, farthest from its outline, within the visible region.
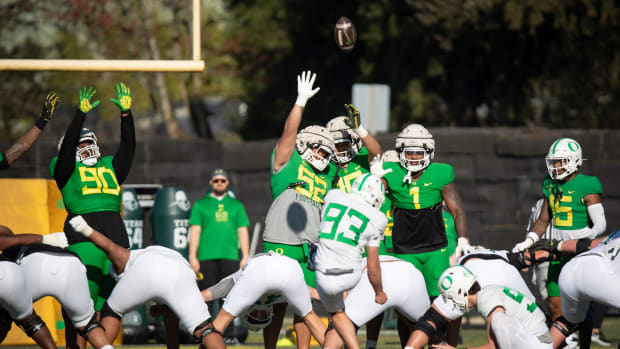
(569, 212)
(424, 192)
(315, 184)
(356, 167)
(359, 166)
(3, 162)
(91, 189)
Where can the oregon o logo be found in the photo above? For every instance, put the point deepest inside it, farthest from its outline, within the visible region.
(446, 282)
(279, 250)
(573, 146)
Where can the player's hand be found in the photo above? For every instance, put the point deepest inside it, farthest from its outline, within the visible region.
(243, 262)
(462, 246)
(85, 94)
(124, 97)
(304, 88)
(550, 245)
(380, 297)
(195, 264)
(56, 239)
(353, 116)
(376, 167)
(49, 108)
(531, 238)
(79, 224)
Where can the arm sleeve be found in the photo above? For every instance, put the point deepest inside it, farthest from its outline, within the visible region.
(127, 149)
(3, 163)
(66, 156)
(221, 289)
(597, 216)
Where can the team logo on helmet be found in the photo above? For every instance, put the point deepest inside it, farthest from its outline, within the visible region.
(315, 145)
(564, 158)
(347, 142)
(370, 188)
(455, 284)
(416, 147)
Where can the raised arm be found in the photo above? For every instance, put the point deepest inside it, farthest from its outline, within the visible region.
(353, 120)
(286, 143)
(27, 140)
(127, 148)
(66, 156)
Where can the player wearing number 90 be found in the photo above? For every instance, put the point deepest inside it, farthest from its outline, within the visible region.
(91, 187)
(572, 203)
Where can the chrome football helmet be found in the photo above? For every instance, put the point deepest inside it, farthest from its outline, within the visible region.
(454, 285)
(315, 145)
(415, 139)
(390, 156)
(257, 316)
(566, 153)
(370, 188)
(347, 142)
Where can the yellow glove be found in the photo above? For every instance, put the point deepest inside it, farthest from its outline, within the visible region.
(124, 97)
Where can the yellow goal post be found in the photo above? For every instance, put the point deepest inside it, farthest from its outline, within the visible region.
(143, 65)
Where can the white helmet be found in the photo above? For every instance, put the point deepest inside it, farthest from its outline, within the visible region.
(342, 133)
(415, 138)
(455, 283)
(566, 152)
(89, 154)
(257, 317)
(390, 156)
(370, 188)
(313, 137)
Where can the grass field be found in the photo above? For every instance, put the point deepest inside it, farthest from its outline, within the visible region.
(472, 336)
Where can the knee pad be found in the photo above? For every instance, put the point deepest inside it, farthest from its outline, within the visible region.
(91, 325)
(434, 317)
(31, 324)
(107, 311)
(564, 326)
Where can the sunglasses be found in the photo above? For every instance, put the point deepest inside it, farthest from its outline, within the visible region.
(219, 180)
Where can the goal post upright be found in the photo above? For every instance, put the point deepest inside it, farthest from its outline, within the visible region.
(196, 64)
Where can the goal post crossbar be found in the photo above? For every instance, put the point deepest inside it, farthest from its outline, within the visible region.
(145, 65)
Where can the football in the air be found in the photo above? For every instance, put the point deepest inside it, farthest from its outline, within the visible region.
(345, 34)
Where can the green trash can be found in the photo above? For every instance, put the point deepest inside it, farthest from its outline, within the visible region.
(133, 216)
(170, 219)
(135, 324)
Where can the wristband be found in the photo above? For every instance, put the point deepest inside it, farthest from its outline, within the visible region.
(533, 236)
(559, 248)
(40, 123)
(361, 131)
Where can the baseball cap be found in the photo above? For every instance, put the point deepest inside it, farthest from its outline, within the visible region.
(219, 172)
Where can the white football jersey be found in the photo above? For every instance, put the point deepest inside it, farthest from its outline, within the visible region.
(348, 223)
(515, 304)
(609, 249)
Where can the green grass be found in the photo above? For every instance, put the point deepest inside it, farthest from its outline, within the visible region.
(389, 339)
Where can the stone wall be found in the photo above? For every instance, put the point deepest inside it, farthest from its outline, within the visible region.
(498, 171)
